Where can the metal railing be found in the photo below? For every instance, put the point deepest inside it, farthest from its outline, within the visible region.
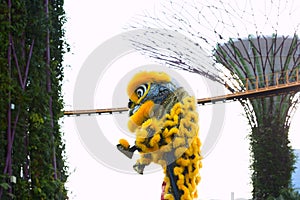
(254, 87)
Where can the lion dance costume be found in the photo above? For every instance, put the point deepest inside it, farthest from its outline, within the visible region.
(164, 118)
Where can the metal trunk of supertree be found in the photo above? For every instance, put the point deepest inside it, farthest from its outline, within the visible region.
(184, 35)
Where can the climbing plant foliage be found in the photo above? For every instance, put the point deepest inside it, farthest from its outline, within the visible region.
(31, 73)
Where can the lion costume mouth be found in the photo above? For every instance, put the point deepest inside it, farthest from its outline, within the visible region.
(139, 114)
(133, 110)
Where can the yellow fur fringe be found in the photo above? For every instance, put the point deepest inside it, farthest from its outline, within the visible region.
(176, 132)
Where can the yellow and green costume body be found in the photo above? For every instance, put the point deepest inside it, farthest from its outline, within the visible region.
(165, 120)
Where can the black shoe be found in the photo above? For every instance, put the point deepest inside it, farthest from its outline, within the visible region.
(126, 152)
(139, 168)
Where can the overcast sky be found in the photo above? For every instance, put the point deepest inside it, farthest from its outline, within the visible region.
(225, 169)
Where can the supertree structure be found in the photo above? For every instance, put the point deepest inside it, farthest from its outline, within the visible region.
(268, 61)
(253, 44)
(32, 162)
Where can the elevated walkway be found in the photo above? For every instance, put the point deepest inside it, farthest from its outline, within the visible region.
(255, 87)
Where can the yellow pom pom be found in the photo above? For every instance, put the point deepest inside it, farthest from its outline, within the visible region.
(170, 133)
(180, 181)
(198, 179)
(196, 194)
(124, 143)
(178, 170)
(155, 140)
(168, 197)
(183, 162)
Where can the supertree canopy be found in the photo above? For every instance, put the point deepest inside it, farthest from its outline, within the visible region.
(251, 45)
(261, 62)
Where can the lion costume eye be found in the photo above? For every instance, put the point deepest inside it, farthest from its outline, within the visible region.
(140, 91)
(130, 104)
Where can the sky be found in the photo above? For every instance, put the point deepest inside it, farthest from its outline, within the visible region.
(225, 166)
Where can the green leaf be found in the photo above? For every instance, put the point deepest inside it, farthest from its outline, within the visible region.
(5, 186)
